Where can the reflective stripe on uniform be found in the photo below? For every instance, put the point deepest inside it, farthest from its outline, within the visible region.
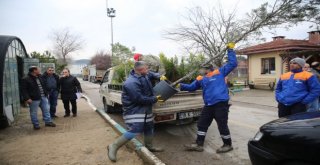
(225, 136)
(138, 120)
(137, 116)
(201, 133)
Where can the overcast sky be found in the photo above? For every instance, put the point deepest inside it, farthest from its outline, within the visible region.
(138, 23)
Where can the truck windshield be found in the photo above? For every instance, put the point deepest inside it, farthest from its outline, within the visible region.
(105, 78)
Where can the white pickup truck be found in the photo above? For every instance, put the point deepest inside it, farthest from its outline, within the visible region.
(181, 108)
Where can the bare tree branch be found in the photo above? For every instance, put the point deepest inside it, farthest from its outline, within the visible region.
(65, 43)
(210, 31)
(102, 60)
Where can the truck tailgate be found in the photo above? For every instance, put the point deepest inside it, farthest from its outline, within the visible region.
(180, 102)
(115, 96)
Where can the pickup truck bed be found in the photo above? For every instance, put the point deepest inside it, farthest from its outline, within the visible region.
(181, 107)
(180, 102)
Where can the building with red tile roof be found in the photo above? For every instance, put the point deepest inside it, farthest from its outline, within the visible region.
(271, 59)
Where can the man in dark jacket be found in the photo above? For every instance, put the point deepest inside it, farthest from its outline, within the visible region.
(216, 97)
(296, 89)
(35, 94)
(51, 80)
(137, 100)
(69, 87)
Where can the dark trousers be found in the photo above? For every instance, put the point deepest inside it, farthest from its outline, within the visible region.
(284, 110)
(66, 104)
(53, 101)
(219, 112)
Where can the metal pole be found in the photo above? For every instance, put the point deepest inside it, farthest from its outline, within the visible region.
(111, 38)
(108, 16)
(111, 13)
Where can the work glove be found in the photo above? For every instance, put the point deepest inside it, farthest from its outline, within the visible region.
(163, 78)
(178, 86)
(159, 98)
(231, 45)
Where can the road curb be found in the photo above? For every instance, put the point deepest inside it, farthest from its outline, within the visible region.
(147, 156)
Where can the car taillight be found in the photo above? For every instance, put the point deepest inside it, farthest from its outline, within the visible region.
(164, 117)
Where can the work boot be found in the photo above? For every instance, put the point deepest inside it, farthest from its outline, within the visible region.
(113, 148)
(225, 148)
(36, 127)
(194, 147)
(53, 116)
(51, 124)
(148, 143)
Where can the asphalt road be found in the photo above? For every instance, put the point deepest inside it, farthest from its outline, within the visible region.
(244, 121)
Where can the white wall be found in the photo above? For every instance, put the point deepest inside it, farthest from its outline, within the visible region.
(255, 65)
(76, 68)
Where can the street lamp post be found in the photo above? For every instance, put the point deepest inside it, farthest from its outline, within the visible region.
(111, 13)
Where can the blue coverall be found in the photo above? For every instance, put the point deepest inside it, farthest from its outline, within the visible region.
(216, 97)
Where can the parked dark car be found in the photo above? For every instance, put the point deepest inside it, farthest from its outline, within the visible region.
(292, 140)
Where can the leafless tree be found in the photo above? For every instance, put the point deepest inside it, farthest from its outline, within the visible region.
(65, 42)
(208, 32)
(102, 60)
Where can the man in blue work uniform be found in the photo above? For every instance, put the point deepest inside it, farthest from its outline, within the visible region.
(137, 100)
(296, 89)
(216, 97)
(155, 71)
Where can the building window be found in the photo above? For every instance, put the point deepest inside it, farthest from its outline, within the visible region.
(268, 66)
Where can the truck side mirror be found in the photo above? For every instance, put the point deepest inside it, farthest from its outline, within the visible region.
(105, 78)
(104, 81)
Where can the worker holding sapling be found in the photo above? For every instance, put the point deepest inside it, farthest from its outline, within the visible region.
(137, 100)
(156, 71)
(216, 99)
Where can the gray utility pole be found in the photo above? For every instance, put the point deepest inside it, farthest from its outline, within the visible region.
(111, 13)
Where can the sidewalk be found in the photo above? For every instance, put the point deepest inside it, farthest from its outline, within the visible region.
(256, 96)
(80, 140)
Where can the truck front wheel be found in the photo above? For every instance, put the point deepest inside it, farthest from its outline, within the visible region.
(107, 108)
(3, 122)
